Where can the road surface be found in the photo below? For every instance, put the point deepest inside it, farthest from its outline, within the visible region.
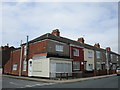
(110, 82)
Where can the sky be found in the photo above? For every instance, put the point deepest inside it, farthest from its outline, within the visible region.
(97, 22)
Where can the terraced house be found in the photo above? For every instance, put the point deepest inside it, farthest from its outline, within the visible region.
(50, 55)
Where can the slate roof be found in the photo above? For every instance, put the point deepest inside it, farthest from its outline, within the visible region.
(67, 41)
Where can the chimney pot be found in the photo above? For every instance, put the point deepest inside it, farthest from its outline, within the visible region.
(97, 45)
(108, 49)
(56, 32)
(81, 40)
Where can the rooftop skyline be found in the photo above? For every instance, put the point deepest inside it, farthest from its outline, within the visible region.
(97, 22)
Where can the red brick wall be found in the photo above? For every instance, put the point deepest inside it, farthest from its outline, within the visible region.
(14, 59)
(34, 48)
(79, 58)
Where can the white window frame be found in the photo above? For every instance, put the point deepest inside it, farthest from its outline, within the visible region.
(75, 52)
(25, 51)
(111, 56)
(90, 66)
(117, 58)
(98, 54)
(59, 48)
(90, 54)
(24, 65)
(14, 67)
(76, 65)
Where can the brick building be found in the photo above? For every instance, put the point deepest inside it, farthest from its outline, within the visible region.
(49, 54)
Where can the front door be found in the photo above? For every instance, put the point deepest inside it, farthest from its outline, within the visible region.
(30, 67)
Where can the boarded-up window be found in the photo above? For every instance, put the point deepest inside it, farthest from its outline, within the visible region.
(63, 67)
(37, 67)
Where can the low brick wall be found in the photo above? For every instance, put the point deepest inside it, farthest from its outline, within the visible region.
(88, 74)
(112, 71)
(100, 72)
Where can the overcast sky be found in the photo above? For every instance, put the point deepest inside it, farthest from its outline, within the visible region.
(97, 22)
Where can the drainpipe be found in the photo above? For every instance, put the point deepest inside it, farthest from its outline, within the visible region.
(27, 48)
(20, 60)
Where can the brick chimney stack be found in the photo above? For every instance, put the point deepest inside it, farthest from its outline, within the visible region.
(108, 48)
(97, 45)
(81, 40)
(56, 32)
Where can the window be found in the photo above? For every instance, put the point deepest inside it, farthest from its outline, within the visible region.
(25, 51)
(98, 65)
(24, 65)
(111, 56)
(90, 66)
(75, 52)
(76, 65)
(59, 48)
(117, 58)
(90, 54)
(63, 67)
(114, 67)
(97, 54)
(14, 66)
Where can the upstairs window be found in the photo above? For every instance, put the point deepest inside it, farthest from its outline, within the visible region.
(117, 58)
(97, 54)
(25, 51)
(75, 52)
(59, 48)
(90, 54)
(111, 56)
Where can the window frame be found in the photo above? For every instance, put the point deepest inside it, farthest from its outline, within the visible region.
(25, 50)
(15, 67)
(59, 48)
(24, 65)
(90, 54)
(76, 52)
(98, 54)
(76, 65)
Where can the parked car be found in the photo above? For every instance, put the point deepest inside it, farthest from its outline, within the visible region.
(118, 71)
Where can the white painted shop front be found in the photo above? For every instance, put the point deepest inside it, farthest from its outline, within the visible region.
(48, 67)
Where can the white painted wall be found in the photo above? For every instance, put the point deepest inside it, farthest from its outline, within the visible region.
(46, 67)
(41, 67)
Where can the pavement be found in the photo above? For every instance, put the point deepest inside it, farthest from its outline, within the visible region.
(59, 81)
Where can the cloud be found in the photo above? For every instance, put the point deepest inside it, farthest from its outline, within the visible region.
(96, 21)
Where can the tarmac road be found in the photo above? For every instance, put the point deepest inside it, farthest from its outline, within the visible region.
(108, 82)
